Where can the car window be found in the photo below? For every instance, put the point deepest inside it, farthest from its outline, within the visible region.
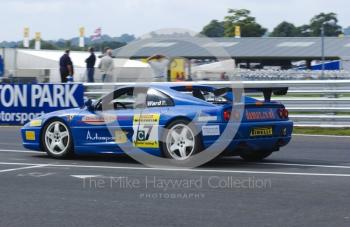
(128, 98)
(157, 98)
(211, 97)
(207, 96)
(124, 100)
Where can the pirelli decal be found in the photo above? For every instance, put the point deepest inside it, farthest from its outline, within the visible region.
(264, 131)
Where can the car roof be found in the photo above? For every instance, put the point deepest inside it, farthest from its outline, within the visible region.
(163, 84)
(174, 91)
(170, 86)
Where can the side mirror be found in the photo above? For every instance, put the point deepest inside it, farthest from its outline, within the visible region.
(89, 105)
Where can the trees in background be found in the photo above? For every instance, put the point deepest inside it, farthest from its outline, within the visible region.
(241, 17)
(304, 31)
(285, 29)
(250, 28)
(214, 29)
(44, 45)
(73, 43)
(236, 17)
(330, 21)
(63, 45)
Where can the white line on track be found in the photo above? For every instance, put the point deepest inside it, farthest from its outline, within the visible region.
(300, 165)
(329, 136)
(22, 168)
(22, 151)
(181, 170)
(12, 144)
(257, 163)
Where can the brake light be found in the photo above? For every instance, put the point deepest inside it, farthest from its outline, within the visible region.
(283, 113)
(227, 115)
(280, 113)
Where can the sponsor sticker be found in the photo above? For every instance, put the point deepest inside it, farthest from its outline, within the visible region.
(98, 138)
(260, 115)
(154, 103)
(98, 119)
(266, 131)
(35, 123)
(120, 137)
(211, 130)
(207, 118)
(146, 130)
(30, 135)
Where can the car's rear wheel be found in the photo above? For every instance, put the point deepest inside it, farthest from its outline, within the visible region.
(57, 140)
(180, 141)
(255, 156)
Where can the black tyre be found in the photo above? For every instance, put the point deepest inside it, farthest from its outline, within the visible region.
(180, 141)
(57, 140)
(255, 156)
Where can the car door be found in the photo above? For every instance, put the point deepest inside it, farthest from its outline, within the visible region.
(148, 122)
(129, 118)
(109, 126)
(127, 105)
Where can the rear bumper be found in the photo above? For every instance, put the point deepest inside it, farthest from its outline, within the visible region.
(263, 144)
(234, 138)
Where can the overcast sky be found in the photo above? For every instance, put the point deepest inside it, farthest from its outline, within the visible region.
(62, 18)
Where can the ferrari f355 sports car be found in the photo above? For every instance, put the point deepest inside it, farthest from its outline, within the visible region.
(169, 120)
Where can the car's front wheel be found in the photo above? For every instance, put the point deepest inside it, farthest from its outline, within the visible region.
(57, 140)
(180, 141)
(255, 156)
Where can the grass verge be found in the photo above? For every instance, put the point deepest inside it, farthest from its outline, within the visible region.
(322, 131)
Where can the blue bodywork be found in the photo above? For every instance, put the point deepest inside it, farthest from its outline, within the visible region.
(92, 136)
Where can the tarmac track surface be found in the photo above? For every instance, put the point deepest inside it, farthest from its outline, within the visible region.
(307, 183)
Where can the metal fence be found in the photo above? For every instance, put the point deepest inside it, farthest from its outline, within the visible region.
(291, 74)
(312, 103)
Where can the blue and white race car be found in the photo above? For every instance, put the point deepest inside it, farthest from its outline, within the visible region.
(174, 121)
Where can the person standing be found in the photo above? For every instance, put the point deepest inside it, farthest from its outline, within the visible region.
(66, 67)
(106, 66)
(159, 65)
(90, 65)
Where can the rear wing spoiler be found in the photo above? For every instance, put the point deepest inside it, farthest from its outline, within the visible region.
(267, 92)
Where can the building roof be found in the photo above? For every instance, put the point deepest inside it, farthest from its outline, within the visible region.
(271, 47)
